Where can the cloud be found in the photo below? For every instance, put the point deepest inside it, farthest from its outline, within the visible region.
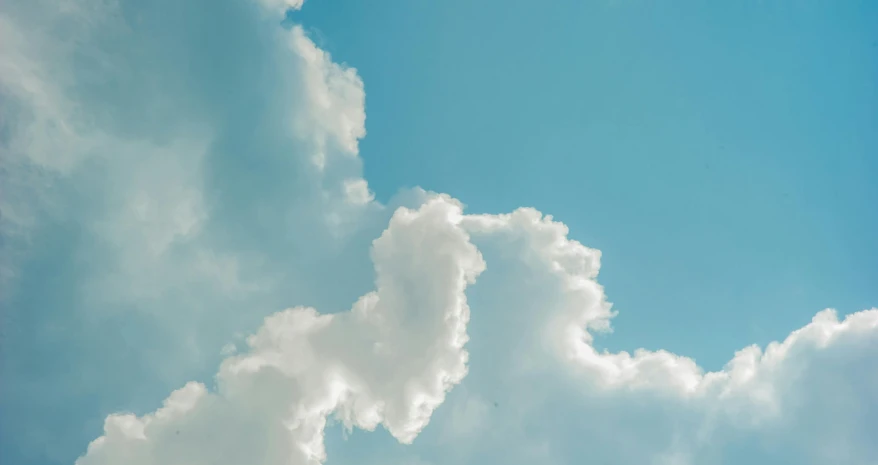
(389, 360)
(176, 172)
(800, 400)
(161, 193)
(280, 6)
(650, 407)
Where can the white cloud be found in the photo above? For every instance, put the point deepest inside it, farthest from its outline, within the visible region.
(136, 173)
(336, 116)
(783, 404)
(156, 197)
(281, 6)
(390, 361)
(134, 166)
(357, 191)
(392, 358)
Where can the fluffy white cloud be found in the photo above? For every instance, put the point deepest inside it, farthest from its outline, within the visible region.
(335, 100)
(204, 185)
(281, 6)
(157, 197)
(389, 360)
(134, 152)
(811, 398)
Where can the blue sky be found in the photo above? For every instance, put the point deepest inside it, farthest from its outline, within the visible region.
(177, 174)
(720, 154)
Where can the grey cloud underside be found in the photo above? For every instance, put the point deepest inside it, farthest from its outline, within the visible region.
(175, 192)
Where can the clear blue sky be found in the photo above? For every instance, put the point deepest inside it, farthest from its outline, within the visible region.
(722, 155)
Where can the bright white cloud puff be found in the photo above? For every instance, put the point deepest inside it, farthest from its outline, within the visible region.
(138, 137)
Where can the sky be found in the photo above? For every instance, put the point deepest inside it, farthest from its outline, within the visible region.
(424, 233)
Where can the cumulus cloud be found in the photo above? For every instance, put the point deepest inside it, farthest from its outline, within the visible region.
(389, 360)
(800, 400)
(178, 191)
(655, 407)
(158, 197)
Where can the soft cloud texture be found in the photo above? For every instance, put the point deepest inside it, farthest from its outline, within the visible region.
(390, 361)
(133, 218)
(190, 195)
(782, 404)
(797, 401)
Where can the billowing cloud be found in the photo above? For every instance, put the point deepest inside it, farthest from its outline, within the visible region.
(389, 360)
(800, 400)
(650, 407)
(176, 172)
(159, 198)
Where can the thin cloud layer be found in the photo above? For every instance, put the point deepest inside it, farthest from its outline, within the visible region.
(185, 190)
